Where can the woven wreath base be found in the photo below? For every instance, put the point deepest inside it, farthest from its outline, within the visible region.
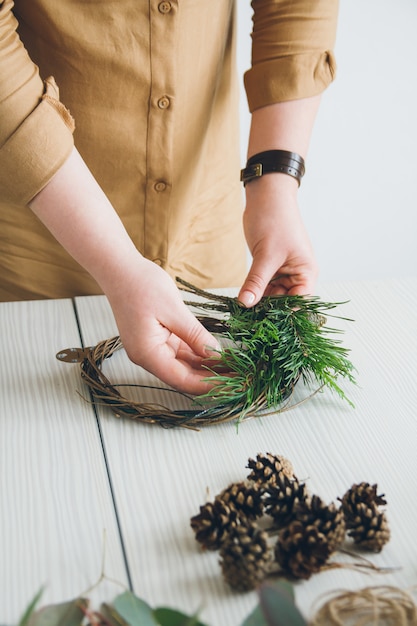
(104, 392)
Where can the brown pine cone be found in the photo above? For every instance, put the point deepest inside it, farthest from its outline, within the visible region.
(362, 492)
(267, 466)
(244, 498)
(301, 550)
(212, 525)
(366, 524)
(245, 556)
(281, 497)
(328, 519)
(369, 528)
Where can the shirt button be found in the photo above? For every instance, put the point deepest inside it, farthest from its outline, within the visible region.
(164, 7)
(164, 102)
(157, 261)
(160, 186)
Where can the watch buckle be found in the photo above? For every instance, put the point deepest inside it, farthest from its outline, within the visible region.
(251, 172)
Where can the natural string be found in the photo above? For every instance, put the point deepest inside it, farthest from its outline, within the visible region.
(371, 606)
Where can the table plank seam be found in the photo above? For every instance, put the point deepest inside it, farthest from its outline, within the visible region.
(106, 462)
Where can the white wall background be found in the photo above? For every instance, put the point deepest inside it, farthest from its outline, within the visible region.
(359, 195)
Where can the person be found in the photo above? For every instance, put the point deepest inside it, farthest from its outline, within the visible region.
(119, 159)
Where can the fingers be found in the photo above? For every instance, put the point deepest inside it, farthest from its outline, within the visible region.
(157, 329)
(301, 284)
(186, 363)
(193, 334)
(168, 358)
(186, 374)
(257, 281)
(174, 346)
(295, 278)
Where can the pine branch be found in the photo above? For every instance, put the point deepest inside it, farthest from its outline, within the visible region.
(269, 348)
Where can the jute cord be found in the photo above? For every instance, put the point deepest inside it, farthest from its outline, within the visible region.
(371, 606)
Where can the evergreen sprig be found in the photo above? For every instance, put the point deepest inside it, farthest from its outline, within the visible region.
(268, 348)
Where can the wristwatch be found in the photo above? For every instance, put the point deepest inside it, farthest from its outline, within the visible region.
(273, 161)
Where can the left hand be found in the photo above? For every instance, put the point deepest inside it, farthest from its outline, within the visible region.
(283, 261)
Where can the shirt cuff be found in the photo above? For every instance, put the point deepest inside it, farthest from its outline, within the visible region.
(289, 78)
(37, 149)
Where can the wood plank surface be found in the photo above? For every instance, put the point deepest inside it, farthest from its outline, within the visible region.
(55, 500)
(161, 477)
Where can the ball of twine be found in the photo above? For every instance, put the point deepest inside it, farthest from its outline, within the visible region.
(376, 606)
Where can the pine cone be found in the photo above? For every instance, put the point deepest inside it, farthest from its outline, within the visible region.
(267, 466)
(281, 497)
(366, 524)
(328, 519)
(362, 492)
(369, 528)
(301, 550)
(244, 498)
(212, 525)
(245, 556)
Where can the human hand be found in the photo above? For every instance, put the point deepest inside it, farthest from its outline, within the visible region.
(157, 329)
(282, 257)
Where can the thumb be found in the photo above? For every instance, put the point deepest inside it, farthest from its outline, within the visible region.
(187, 327)
(256, 282)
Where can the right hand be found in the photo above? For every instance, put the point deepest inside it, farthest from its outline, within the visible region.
(157, 329)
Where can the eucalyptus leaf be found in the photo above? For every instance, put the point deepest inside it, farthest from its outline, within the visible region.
(111, 615)
(277, 605)
(30, 609)
(134, 611)
(285, 587)
(65, 614)
(256, 618)
(170, 617)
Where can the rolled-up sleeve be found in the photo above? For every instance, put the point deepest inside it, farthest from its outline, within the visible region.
(35, 127)
(292, 50)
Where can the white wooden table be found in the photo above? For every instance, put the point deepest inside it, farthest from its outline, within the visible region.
(75, 485)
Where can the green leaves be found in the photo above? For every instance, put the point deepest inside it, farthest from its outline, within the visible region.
(31, 607)
(136, 612)
(66, 614)
(169, 617)
(276, 607)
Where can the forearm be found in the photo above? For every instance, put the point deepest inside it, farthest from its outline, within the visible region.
(283, 260)
(157, 330)
(79, 215)
(283, 126)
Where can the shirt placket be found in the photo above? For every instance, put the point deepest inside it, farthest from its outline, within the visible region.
(161, 111)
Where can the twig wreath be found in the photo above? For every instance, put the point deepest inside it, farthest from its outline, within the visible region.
(266, 350)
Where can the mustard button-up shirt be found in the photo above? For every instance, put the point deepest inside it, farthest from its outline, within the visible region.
(150, 88)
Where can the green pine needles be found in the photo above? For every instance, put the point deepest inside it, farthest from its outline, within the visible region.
(267, 349)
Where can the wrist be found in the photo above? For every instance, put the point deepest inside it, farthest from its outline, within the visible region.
(120, 271)
(271, 188)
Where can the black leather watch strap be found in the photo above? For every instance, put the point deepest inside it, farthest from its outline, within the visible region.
(273, 161)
